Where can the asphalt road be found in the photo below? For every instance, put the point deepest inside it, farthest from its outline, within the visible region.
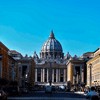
(41, 95)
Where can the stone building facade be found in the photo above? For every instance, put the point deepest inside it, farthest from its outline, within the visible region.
(93, 69)
(25, 69)
(75, 71)
(7, 64)
(15, 67)
(54, 68)
(51, 66)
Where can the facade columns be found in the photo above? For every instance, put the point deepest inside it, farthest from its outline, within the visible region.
(73, 79)
(52, 75)
(90, 74)
(77, 78)
(43, 74)
(57, 75)
(35, 75)
(82, 76)
(47, 75)
(64, 75)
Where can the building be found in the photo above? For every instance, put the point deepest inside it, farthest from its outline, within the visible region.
(26, 71)
(76, 69)
(51, 66)
(25, 68)
(7, 64)
(93, 69)
(56, 69)
(16, 68)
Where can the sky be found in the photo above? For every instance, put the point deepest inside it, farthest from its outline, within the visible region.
(25, 25)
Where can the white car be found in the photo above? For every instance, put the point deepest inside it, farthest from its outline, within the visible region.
(48, 89)
(62, 88)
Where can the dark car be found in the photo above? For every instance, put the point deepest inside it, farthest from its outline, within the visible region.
(48, 89)
(12, 91)
(3, 95)
(24, 90)
(54, 88)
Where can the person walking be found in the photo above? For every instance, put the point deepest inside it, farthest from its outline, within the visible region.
(92, 95)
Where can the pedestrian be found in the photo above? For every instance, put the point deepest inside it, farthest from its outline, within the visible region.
(92, 95)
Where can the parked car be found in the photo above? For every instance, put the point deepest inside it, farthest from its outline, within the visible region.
(48, 89)
(12, 91)
(24, 90)
(3, 95)
(62, 88)
(53, 88)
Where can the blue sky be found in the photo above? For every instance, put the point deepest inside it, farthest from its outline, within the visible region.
(26, 24)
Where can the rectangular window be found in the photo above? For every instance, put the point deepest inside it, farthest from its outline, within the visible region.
(24, 69)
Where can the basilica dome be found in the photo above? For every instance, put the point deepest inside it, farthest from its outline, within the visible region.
(51, 47)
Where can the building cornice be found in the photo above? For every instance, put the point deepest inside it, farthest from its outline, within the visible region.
(91, 60)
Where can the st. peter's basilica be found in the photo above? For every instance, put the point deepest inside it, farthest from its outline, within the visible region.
(56, 69)
(51, 67)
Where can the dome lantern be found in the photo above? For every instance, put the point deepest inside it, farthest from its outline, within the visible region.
(52, 35)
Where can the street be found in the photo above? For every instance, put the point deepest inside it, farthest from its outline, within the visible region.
(43, 96)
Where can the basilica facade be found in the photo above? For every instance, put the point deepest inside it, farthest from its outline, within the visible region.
(51, 66)
(55, 68)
